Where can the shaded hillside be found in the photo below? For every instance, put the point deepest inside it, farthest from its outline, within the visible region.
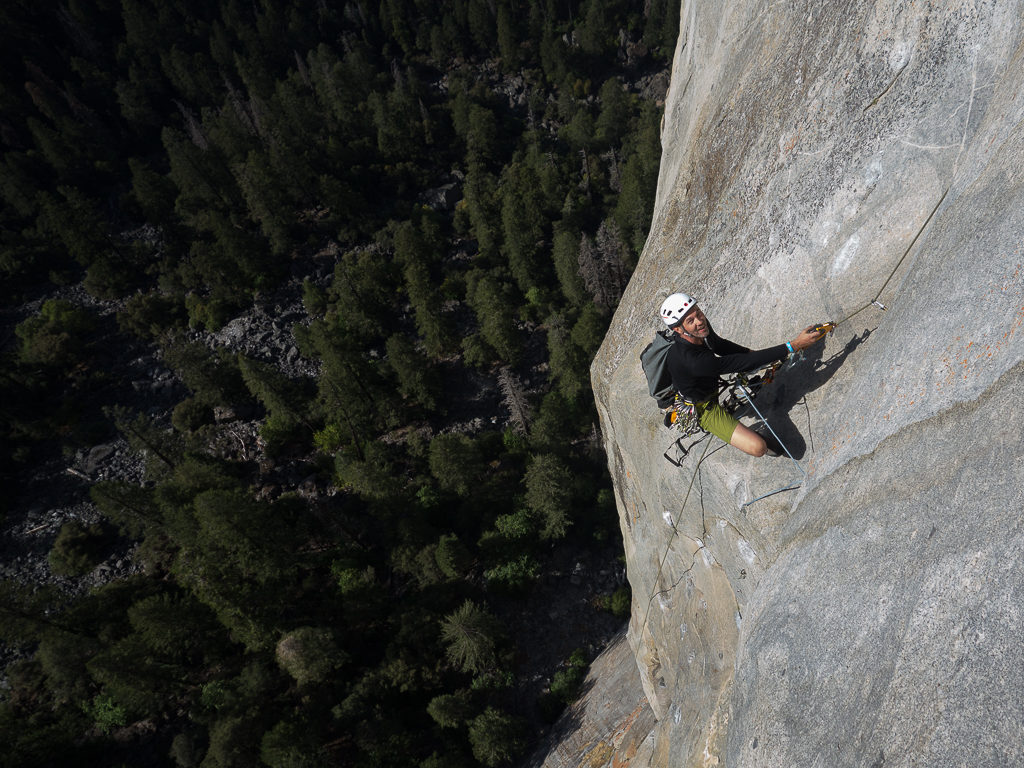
(297, 432)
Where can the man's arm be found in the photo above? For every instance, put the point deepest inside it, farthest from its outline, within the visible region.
(712, 365)
(721, 346)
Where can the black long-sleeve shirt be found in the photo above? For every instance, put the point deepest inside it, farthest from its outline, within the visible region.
(695, 368)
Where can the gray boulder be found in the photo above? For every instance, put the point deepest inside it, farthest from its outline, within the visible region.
(818, 158)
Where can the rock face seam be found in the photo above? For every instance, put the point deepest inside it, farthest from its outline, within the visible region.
(668, 547)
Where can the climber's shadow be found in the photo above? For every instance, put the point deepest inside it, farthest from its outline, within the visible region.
(790, 388)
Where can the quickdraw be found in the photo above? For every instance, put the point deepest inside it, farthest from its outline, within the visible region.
(822, 329)
(829, 326)
(752, 381)
(682, 415)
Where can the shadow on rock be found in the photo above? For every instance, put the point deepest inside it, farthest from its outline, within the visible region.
(791, 386)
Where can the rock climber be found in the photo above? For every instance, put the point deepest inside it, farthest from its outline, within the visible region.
(699, 356)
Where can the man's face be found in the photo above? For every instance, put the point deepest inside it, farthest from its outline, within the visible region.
(695, 324)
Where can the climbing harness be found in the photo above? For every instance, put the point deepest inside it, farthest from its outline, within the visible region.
(681, 416)
(735, 392)
(749, 381)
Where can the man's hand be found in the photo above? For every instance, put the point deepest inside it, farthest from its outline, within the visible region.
(809, 336)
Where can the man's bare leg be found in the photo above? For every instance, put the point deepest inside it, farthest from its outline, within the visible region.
(748, 441)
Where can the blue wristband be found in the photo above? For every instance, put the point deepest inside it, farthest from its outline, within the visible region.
(789, 344)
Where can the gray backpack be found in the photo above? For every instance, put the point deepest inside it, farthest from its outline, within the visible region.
(654, 360)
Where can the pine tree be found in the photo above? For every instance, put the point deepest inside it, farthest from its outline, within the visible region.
(133, 677)
(285, 401)
(496, 737)
(253, 540)
(508, 38)
(639, 178)
(554, 54)
(293, 743)
(597, 27)
(241, 556)
(480, 190)
(588, 331)
(579, 132)
(362, 292)
(613, 120)
(268, 204)
(417, 249)
(58, 336)
(470, 634)
(417, 381)
(426, 304)
(161, 448)
(549, 494)
(553, 428)
(452, 556)
(455, 462)
(348, 385)
(569, 367)
(565, 255)
(401, 131)
(309, 654)
(515, 399)
(77, 549)
(235, 740)
(214, 377)
(71, 217)
(661, 27)
(368, 470)
(175, 625)
(492, 301)
(451, 710)
(522, 225)
(482, 27)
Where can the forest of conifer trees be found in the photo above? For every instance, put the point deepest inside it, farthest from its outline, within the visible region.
(478, 178)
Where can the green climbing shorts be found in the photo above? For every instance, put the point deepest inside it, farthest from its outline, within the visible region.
(716, 420)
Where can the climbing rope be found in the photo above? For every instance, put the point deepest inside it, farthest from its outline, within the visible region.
(668, 548)
(750, 401)
(875, 302)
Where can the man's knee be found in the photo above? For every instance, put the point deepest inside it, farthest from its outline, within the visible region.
(748, 441)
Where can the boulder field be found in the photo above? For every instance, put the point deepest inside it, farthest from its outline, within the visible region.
(823, 161)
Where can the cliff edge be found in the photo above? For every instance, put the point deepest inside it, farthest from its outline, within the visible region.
(817, 158)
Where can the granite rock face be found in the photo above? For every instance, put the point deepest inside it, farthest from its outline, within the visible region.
(610, 726)
(817, 158)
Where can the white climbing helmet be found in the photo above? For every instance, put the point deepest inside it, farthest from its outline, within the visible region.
(675, 307)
